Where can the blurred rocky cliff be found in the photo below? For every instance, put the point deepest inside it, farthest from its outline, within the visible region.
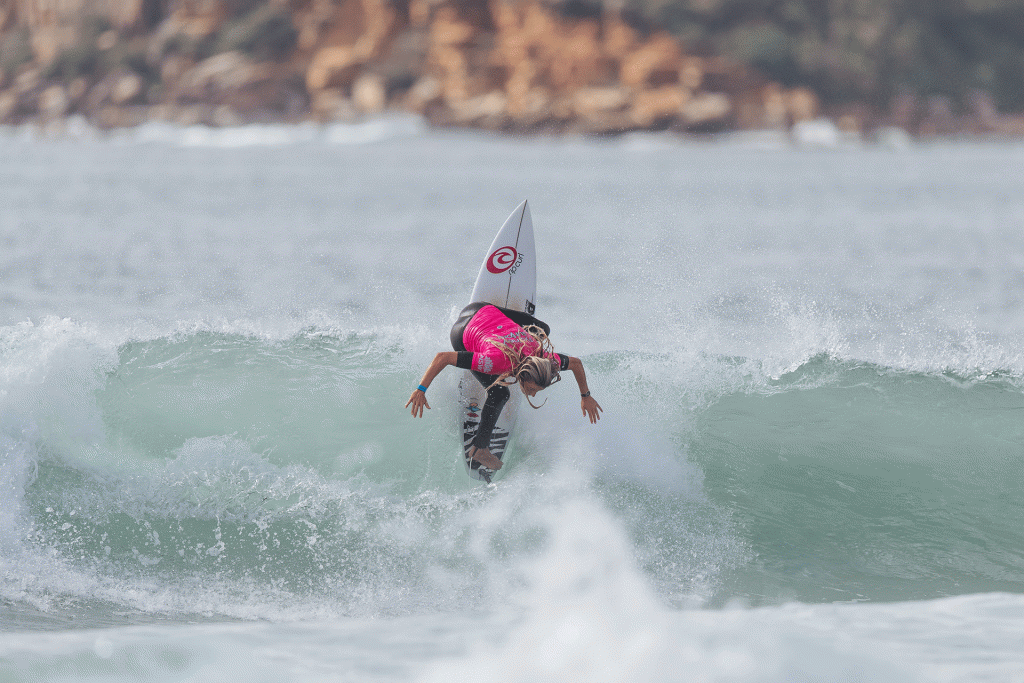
(511, 65)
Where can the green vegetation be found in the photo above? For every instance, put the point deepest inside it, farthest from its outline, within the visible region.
(266, 33)
(863, 50)
(15, 49)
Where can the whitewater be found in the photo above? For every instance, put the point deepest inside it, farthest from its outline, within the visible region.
(810, 359)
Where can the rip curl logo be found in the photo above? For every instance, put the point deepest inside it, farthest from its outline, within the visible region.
(473, 409)
(501, 260)
(484, 365)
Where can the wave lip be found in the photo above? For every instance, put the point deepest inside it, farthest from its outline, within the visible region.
(233, 459)
(854, 481)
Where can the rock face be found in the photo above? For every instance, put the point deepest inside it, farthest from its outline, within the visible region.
(510, 65)
(871, 52)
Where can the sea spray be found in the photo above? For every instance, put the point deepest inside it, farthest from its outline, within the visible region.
(810, 365)
(585, 610)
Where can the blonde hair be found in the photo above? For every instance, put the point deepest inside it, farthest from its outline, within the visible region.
(537, 368)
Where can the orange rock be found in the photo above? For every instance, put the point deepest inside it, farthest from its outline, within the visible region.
(612, 123)
(619, 37)
(591, 102)
(227, 72)
(707, 108)
(748, 111)
(198, 18)
(510, 48)
(124, 13)
(774, 107)
(54, 102)
(8, 105)
(425, 92)
(540, 27)
(485, 109)
(454, 79)
(29, 80)
(802, 104)
(1010, 125)
(332, 67)
(368, 94)
(692, 73)
(419, 13)
(173, 66)
(50, 40)
(224, 116)
(449, 29)
(510, 42)
(519, 86)
(533, 108)
(507, 17)
(449, 60)
(332, 105)
(850, 123)
(562, 108)
(111, 116)
(191, 115)
(311, 21)
(651, 106)
(41, 14)
(659, 59)
(126, 87)
(380, 27)
(106, 40)
(366, 27)
(454, 89)
(577, 59)
(78, 87)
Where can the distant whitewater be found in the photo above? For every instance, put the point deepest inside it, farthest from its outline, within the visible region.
(808, 466)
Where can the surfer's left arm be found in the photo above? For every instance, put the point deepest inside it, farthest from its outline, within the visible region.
(419, 397)
(590, 407)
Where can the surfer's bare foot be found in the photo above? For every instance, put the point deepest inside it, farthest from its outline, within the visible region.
(484, 457)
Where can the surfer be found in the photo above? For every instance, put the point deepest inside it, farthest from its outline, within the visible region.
(502, 347)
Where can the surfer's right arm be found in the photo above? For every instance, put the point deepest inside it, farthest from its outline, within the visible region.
(419, 398)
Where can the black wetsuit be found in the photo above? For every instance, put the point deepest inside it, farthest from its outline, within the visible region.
(497, 394)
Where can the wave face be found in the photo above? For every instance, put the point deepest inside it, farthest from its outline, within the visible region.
(854, 481)
(217, 473)
(213, 472)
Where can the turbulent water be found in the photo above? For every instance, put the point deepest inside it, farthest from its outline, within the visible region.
(809, 467)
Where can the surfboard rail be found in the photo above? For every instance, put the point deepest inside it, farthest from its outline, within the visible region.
(507, 278)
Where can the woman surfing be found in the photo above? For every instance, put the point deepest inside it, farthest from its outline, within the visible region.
(502, 347)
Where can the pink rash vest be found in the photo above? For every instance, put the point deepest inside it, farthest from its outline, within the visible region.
(489, 324)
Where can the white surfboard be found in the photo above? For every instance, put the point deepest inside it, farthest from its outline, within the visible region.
(508, 278)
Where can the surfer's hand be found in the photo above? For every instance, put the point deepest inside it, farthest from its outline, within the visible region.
(591, 409)
(418, 400)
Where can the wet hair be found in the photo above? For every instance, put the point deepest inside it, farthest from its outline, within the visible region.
(539, 369)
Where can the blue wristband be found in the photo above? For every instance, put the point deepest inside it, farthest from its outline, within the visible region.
(422, 388)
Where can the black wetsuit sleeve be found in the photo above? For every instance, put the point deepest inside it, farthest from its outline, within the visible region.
(497, 395)
(464, 360)
(564, 361)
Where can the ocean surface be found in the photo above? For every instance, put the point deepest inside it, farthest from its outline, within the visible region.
(810, 358)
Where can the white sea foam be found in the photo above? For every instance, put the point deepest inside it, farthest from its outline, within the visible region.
(15, 472)
(902, 641)
(372, 130)
(809, 363)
